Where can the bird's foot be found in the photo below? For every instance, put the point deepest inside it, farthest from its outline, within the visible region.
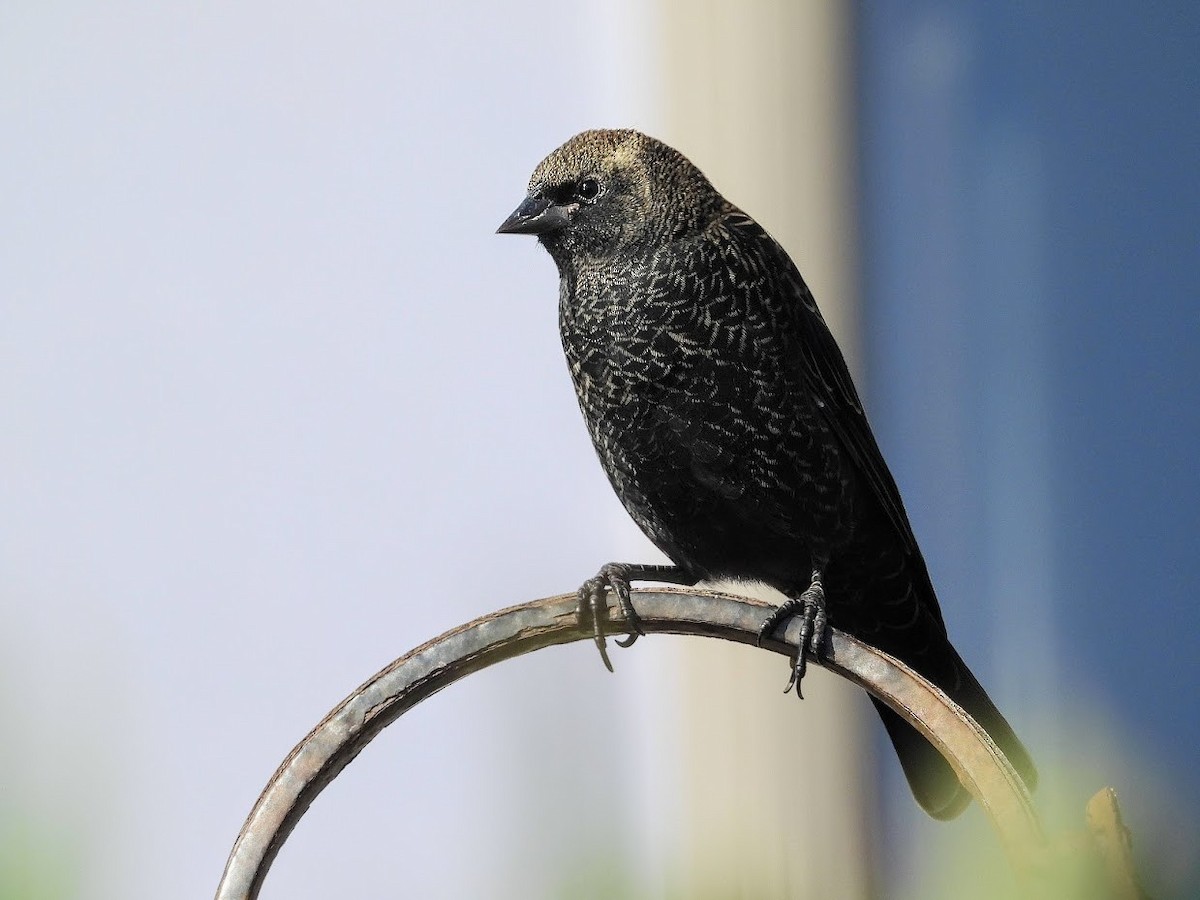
(593, 605)
(593, 601)
(810, 606)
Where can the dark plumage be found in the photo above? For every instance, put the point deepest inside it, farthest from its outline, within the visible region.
(727, 421)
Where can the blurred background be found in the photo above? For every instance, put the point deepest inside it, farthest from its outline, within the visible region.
(277, 406)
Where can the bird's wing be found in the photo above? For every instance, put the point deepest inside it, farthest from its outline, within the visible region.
(822, 365)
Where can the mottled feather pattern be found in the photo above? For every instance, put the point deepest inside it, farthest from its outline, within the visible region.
(675, 361)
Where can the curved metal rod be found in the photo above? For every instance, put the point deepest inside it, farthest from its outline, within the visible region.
(330, 747)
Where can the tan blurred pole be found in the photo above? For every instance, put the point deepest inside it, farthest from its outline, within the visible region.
(758, 95)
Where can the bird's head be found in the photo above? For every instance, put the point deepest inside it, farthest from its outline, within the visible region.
(612, 192)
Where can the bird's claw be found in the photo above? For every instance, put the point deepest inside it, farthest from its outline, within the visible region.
(810, 606)
(593, 605)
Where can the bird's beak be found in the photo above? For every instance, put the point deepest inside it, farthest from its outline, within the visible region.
(535, 215)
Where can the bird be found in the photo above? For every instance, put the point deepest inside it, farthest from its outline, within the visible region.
(725, 417)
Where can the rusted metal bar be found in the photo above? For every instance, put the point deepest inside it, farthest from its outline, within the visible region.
(1113, 844)
(330, 747)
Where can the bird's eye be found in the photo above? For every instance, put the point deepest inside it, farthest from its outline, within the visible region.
(588, 189)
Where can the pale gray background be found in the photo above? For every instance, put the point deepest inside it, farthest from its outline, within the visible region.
(277, 406)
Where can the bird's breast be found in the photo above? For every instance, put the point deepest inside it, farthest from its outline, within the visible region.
(696, 419)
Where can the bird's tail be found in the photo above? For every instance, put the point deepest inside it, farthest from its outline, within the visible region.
(930, 777)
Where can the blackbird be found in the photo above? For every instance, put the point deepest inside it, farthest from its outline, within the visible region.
(726, 419)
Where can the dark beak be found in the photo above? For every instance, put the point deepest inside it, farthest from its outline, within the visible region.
(535, 215)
